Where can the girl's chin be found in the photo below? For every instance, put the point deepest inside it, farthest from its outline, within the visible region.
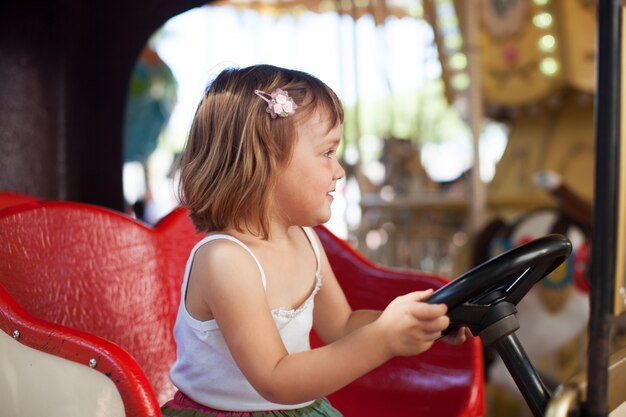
(323, 217)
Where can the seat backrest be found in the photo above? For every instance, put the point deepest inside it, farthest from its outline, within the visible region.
(10, 198)
(51, 370)
(446, 380)
(101, 272)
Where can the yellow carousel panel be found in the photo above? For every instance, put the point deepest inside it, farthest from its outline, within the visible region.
(520, 51)
(578, 22)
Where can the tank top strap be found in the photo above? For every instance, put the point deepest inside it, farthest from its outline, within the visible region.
(235, 240)
(310, 234)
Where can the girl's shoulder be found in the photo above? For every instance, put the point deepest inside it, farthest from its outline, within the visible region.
(220, 268)
(222, 247)
(225, 258)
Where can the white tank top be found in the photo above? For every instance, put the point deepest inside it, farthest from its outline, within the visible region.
(205, 370)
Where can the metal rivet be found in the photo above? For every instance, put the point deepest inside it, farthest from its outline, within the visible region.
(16, 334)
(92, 363)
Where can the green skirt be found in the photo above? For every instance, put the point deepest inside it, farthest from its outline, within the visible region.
(174, 408)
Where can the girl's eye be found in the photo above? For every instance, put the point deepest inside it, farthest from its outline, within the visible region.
(329, 153)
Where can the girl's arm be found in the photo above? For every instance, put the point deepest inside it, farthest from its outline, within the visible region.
(230, 284)
(334, 317)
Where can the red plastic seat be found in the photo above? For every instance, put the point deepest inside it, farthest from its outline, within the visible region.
(10, 198)
(101, 272)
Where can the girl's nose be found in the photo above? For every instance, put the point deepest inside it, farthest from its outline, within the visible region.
(338, 172)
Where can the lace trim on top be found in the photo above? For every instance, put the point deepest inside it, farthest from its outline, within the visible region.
(282, 312)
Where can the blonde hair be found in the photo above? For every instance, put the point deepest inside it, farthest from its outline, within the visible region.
(235, 150)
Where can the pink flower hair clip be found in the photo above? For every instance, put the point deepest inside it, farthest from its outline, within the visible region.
(279, 104)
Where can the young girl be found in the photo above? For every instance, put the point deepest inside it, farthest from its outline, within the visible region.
(258, 172)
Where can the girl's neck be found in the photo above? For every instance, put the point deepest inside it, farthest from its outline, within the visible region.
(278, 233)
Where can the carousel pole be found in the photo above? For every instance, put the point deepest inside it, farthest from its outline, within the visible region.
(358, 172)
(379, 12)
(603, 239)
(357, 169)
(478, 201)
(346, 53)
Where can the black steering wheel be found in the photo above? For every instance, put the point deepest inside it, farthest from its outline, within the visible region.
(506, 277)
(484, 299)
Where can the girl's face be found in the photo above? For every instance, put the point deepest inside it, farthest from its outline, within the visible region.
(303, 191)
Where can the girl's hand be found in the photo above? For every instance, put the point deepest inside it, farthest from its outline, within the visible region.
(459, 336)
(410, 326)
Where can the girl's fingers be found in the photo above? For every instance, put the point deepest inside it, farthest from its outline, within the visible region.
(421, 295)
(437, 325)
(459, 336)
(424, 311)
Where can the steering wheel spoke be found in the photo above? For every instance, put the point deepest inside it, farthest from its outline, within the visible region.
(479, 317)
